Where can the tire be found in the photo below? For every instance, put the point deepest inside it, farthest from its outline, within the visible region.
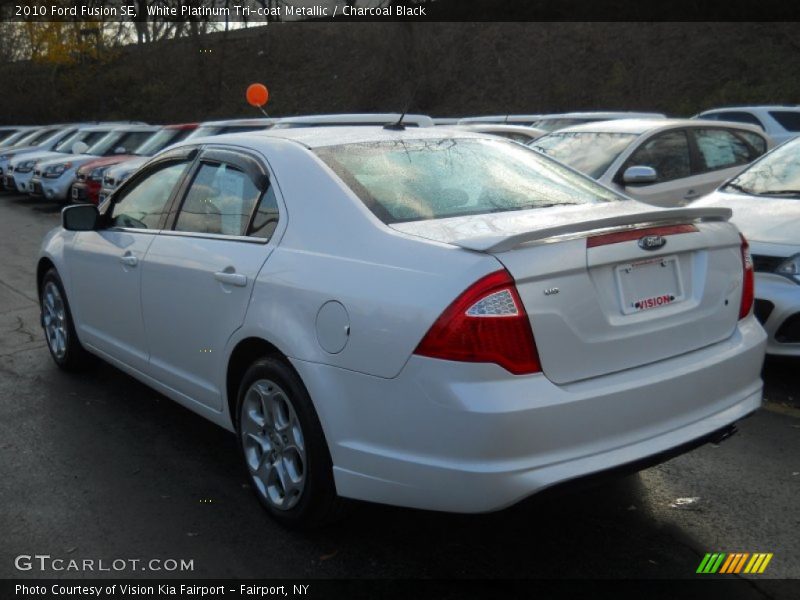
(59, 329)
(285, 454)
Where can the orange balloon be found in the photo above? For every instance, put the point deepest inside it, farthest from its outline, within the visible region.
(257, 94)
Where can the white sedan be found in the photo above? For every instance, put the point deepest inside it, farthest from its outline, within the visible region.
(765, 200)
(418, 317)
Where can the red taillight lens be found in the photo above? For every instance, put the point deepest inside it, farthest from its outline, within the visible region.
(486, 323)
(748, 284)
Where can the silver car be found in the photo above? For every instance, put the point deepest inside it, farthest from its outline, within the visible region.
(664, 162)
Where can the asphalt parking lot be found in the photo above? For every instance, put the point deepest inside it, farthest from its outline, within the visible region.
(99, 466)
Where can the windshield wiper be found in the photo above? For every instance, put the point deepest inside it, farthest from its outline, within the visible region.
(779, 193)
(737, 187)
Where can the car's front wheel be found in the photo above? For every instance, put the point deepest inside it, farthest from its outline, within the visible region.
(59, 330)
(284, 448)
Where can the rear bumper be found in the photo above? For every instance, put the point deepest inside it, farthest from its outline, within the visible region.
(780, 303)
(471, 438)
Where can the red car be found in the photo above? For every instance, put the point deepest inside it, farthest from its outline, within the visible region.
(89, 177)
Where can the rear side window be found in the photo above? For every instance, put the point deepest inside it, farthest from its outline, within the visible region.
(266, 218)
(219, 201)
(721, 149)
(144, 203)
(788, 119)
(735, 117)
(414, 180)
(758, 143)
(668, 153)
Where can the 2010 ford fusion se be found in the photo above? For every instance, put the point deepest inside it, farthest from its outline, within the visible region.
(425, 318)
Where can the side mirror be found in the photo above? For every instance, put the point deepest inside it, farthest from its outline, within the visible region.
(120, 150)
(79, 147)
(81, 217)
(639, 175)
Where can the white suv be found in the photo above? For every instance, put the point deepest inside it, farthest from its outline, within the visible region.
(781, 123)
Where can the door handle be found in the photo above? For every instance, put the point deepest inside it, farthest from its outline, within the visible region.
(691, 194)
(231, 278)
(129, 260)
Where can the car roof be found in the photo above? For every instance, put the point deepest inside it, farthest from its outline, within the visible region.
(352, 118)
(499, 127)
(500, 119)
(640, 126)
(260, 121)
(613, 114)
(182, 126)
(318, 137)
(793, 107)
(135, 127)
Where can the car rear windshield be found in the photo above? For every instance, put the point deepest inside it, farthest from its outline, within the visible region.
(588, 152)
(788, 119)
(414, 180)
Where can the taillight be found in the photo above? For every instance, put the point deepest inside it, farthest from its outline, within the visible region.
(486, 323)
(748, 284)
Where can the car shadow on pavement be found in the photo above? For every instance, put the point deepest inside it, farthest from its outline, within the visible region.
(40, 205)
(781, 384)
(131, 473)
(170, 483)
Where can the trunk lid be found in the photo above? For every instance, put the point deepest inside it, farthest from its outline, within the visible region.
(599, 301)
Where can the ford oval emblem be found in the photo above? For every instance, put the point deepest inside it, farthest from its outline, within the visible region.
(652, 242)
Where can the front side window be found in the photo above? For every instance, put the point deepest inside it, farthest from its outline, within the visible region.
(412, 180)
(667, 153)
(219, 201)
(144, 203)
(721, 149)
(589, 152)
(777, 174)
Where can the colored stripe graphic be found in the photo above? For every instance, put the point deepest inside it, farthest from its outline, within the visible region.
(729, 562)
(711, 562)
(720, 562)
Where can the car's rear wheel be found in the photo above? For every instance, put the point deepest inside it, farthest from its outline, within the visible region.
(284, 448)
(59, 330)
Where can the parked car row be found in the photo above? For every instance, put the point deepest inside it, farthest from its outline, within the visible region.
(666, 161)
(661, 161)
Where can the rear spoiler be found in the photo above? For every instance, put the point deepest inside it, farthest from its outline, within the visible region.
(500, 243)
